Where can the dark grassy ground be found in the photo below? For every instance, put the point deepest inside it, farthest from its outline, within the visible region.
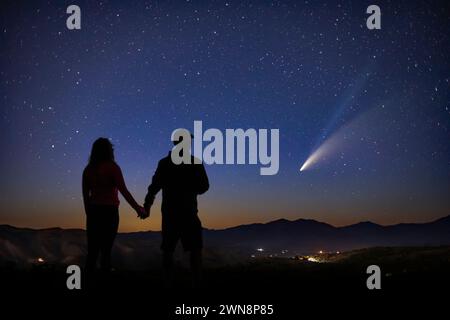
(292, 286)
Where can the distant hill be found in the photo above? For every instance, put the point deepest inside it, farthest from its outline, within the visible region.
(22, 246)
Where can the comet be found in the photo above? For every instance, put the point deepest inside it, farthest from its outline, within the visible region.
(341, 140)
(325, 150)
(312, 159)
(337, 139)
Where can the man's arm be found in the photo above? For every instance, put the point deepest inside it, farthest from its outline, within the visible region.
(86, 191)
(154, 187)
(202, 182)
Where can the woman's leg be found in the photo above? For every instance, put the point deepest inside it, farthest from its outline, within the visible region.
(110, 227)
(93, 239)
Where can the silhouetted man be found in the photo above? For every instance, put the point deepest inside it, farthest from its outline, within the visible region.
(180, 184)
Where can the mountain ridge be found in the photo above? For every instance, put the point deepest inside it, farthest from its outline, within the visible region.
(281, 238)
(276, 221)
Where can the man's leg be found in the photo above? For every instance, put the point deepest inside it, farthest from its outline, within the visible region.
(168, 268)
(196, 267)
(192, 241)
(170, 236)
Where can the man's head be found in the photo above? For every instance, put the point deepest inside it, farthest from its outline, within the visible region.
(181, 152)
(179, 135)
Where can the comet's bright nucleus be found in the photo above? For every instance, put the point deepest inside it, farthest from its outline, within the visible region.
(344, 138)
(321, 153)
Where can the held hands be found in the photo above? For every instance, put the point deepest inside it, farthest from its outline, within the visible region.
(146, 213)
(142, 213)
(147, 205)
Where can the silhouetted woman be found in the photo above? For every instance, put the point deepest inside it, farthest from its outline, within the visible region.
(102, 179)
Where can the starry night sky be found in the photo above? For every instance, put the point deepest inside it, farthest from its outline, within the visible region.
(138, 70)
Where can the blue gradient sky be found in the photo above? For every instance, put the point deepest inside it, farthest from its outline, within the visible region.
(138, 70)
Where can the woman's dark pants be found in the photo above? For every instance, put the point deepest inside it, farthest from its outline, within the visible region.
(101, 226)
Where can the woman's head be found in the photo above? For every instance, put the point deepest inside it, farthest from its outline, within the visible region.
(102, 151)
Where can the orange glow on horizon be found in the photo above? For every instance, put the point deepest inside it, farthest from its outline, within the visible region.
(217, 214)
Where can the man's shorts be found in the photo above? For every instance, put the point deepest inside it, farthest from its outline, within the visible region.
(186, 228)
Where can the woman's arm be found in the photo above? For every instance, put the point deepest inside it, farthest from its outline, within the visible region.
(86, 191)
(124, 190)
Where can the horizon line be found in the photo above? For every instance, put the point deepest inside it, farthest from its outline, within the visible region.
(240, 225)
